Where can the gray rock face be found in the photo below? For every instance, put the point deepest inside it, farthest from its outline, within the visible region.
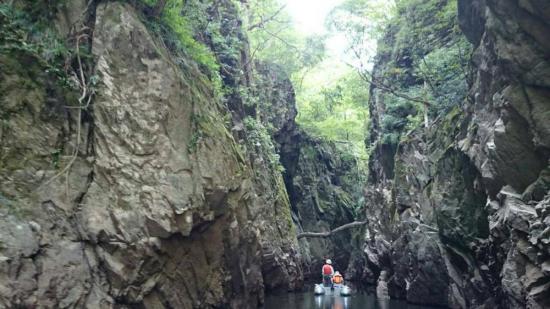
(161, 208)
(324, 190)
(277, 107)
(510, 147)
(457, 211)
(270, 212)
(148, 184)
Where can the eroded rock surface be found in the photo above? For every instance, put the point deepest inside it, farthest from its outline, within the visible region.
(160, 209)
(457, 211)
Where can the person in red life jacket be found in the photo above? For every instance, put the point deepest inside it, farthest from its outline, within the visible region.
(327, 273)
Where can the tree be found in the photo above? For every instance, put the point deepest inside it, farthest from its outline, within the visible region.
(423, 50)
(273, 38)
(332, 104)
(363, 23)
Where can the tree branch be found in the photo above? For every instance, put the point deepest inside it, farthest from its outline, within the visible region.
(159, 8)
(329, 233)
(260, 47)
(263, 21)
(363, 73)
(369, 79)
(281, 39)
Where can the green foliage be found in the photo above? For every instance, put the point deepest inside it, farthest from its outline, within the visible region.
(421, 54)
(259, 138)
(274, 39)
(194, 141)
(445, 71)
(333, 105)
(177, 28)
(425, 56)
(392, 123)
(23, 32)
(432, 53)
(56, 156)
(363, 23)
(336, 102)
(401, 115)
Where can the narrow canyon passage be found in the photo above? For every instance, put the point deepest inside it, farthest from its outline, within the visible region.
(275, 154)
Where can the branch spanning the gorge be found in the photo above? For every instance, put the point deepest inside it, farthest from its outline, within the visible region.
(329, 233)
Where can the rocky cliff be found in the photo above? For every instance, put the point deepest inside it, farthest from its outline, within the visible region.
(142, 197)
(458, 211)
(324, 188)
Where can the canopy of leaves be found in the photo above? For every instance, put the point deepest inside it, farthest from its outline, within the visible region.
(273, 38)
(332, 104)
(421, 57)
(427, 56)
(363, 23)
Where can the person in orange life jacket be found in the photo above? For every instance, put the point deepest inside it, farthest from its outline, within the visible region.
(337, 278)
(327, 273)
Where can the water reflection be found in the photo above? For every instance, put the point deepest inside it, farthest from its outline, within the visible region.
(306, 300)
(331, 302)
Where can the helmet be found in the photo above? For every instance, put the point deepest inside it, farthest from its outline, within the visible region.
(329, 261)
(337, 273)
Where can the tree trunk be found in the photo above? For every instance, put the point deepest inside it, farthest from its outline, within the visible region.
(159, 7)
(426, 119)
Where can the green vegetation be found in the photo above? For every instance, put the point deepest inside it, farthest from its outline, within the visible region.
(177, 27)
(24, 33)
(259, 137)
(418, 42)
(424, 57)
(332, 104)
(430, 48)
(363, 23)
(273, 38)
(331, 99)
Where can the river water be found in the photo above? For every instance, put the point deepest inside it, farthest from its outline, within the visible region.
(306, 300)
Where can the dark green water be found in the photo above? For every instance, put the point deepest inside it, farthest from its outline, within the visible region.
(306, 300)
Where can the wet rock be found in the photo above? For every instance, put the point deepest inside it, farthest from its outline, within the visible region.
(382, 286)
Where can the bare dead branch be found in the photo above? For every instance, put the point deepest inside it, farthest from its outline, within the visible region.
(369, 79)
(260, 47)
(330, 233)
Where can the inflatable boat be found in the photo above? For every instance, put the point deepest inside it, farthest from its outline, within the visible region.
(339, 289)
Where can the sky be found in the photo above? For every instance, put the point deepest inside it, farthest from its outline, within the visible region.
(309, 18)
(309, 15)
